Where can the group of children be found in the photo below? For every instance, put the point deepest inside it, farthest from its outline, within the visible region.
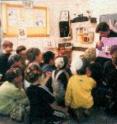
(50, 88)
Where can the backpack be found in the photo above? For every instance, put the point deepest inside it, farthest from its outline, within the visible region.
(58, 87)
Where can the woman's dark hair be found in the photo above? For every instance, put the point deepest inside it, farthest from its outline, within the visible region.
(47, 56)
(82, 70)
(102, 26)
(12, 73)
(20, 48)
(32, 53)
(33, 72)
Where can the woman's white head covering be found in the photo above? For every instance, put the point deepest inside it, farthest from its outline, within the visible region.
(76, 64)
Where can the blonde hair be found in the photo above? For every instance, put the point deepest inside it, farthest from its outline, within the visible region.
(90, 54)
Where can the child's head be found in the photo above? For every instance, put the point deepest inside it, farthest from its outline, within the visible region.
(16, 60)
(48, 57)
(34, 55)
(78, 65)
(113, 52)
(14, 75)
(94, 70)
(61, 62)
(61, 49)
(33, 73)
(21, 50)
(7, 47)
(82, 69)
(90, 54)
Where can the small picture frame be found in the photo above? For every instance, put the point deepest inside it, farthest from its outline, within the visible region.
(64, 15)
(22, 33)
(83, 36)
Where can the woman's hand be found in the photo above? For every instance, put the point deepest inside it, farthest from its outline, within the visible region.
(99, 45)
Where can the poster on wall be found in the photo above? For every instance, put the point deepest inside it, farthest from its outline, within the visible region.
(12, 17)
(84, 36)
(39, 19)
(26, 19)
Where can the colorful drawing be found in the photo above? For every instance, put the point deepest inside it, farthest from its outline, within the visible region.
(107, 43)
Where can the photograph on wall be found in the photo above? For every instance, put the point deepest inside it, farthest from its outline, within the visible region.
(64, 15)
(22, 33)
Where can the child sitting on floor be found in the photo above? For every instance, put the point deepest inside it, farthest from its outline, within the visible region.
(42, 107)
(78, 94)
(13, 100)
(60, 79)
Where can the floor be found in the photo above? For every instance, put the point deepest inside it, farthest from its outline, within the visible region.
(97, 117)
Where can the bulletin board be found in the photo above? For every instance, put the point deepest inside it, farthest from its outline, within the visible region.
(34, 20)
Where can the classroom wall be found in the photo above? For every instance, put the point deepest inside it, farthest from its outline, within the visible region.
(100, 7)
(97, 7)
(55, 7)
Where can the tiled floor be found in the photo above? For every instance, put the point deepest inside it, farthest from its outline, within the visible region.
(97, 117)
